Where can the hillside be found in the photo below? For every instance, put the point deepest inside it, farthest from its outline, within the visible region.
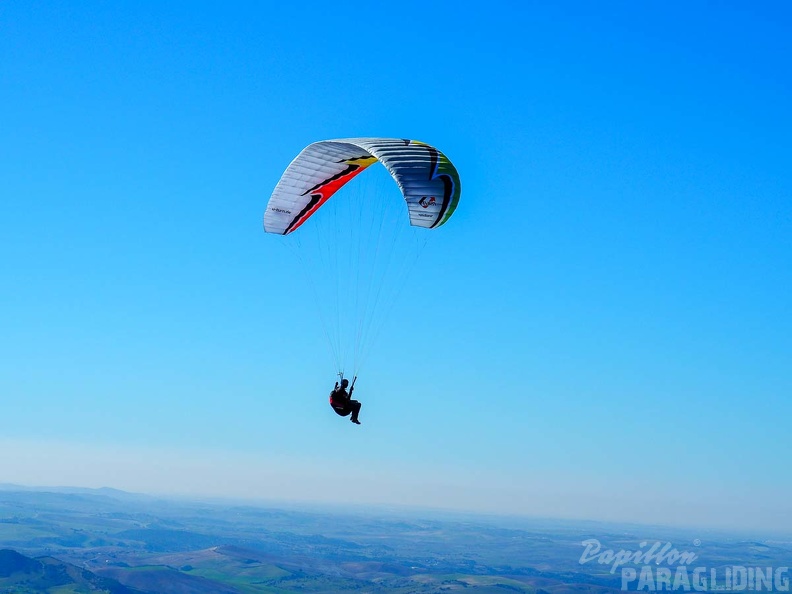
(19, 573)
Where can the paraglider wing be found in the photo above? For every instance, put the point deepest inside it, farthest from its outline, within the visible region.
(427, 179)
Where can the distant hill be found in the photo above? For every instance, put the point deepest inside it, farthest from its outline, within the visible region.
(19, 573)
(103, 491)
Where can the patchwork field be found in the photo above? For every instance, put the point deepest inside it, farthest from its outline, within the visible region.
(108, 541)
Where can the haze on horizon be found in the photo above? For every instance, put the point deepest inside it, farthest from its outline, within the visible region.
(235, 476)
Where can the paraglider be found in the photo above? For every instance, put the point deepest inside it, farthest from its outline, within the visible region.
(361, 251)
(342, 402)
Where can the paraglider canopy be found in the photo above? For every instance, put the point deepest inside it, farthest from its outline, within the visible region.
(427, 179)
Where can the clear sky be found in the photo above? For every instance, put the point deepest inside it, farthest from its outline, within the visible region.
(616, 335)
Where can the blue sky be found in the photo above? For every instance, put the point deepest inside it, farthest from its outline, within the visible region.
(616, 282)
